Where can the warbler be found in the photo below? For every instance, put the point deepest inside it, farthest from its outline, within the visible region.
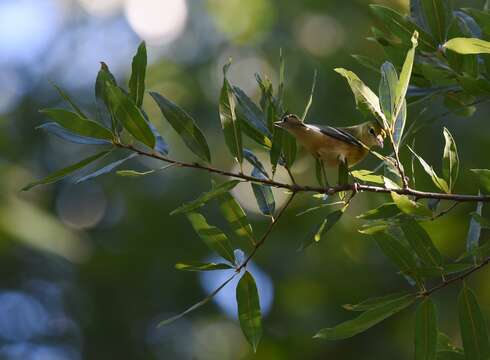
(335, 144)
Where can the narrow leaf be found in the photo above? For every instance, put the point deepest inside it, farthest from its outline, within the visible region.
(405, 75)
(251, 112)
(373, 303)
(249, 315)
(184, 125)
(198, 266)
(473, 327)
(68, 99)
(235, 215)
(263, 194)
(426, 331)
(60, 174)
(387, 90)
(468, 46)
(409, 206)
(229, 122)
(383, 211)
(450, 160)
(74, 123)
(474, 230)
(138, 73)
(367, 176)
(483, 179)
(421, 243)
(439, 182)
(366, 320)
(130, 115)
(438, 14)
(399, 125)
(366, 100)
(254, 161)
(310, 99)
(62, 133)
(104, 77)
(106, 169)
(215, 192)
(212, 236)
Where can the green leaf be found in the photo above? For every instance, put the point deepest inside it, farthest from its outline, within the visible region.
(263, 194)
(310, 99)
(484, 179)
(394, 250)
(229, 122)
(450, 160)
(367, 176)
(105, 169)
(367, 62)
(138, 73)
(105, 77)
(405, 75)
(206, 197)
(444, 343)
(320, 230)
(366, 320)
(472, 325)
(199, 266)
(387, 90)
(247, 298)
(366, 100)
(68, 99)
(76, 124)
(134, 173)
(439, 182)
(421, 243)
(184, 125)
(254, 161)
(130, 115)
(60, 174)
(399, 125)
(289, 148)
(467, 46)
(343, 173)
(409, 206)
(373, 303)
(198, 304)
(235, 215)
(59, 131)
(438, 14)
(383, 211)
(251, 112)
(426, 331)
(212, 236)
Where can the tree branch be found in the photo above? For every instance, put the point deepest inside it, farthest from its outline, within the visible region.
(330, 190)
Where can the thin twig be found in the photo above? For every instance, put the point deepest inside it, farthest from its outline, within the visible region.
(330, 190)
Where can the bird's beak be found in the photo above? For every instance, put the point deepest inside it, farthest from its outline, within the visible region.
(380, 141)
(279, 124)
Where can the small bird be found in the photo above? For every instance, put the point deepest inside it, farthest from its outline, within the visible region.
(334, 145)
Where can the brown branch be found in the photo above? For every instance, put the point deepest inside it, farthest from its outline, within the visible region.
(330, 190)
(456, 278)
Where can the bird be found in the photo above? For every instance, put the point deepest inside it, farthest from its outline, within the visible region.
(334, 145)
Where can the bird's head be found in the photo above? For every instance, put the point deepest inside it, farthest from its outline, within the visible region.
(373, 134)
(289, 122)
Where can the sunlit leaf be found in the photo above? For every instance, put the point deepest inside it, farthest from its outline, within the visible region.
(199, 266)
(263, 194)
(229, 122)
(212, 236)
(373, 303)
(235, 215)
(450, 160)
(421, 243)
(468, 46)
(215, 192)
(138, 73)
(426, 330)
(366, 100)
(366, 320)
(105, 169)
(247, 298)
(410, 207)
(184, 125)
(383, 211)
(439, 182)
(484, 179)
(473, 327)
(76, 124)
(68, 99)
(130, 115)
(62, 133)
(60, 174)
(367, 176)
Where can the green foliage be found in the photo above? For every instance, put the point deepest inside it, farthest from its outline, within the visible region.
(426, 330)
(137, 79)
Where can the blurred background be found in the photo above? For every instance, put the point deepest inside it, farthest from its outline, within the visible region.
(87, 271)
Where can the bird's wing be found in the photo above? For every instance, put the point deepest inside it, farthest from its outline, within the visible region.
(338, 134)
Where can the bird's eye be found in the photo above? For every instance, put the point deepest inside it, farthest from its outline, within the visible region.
(371, 131)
